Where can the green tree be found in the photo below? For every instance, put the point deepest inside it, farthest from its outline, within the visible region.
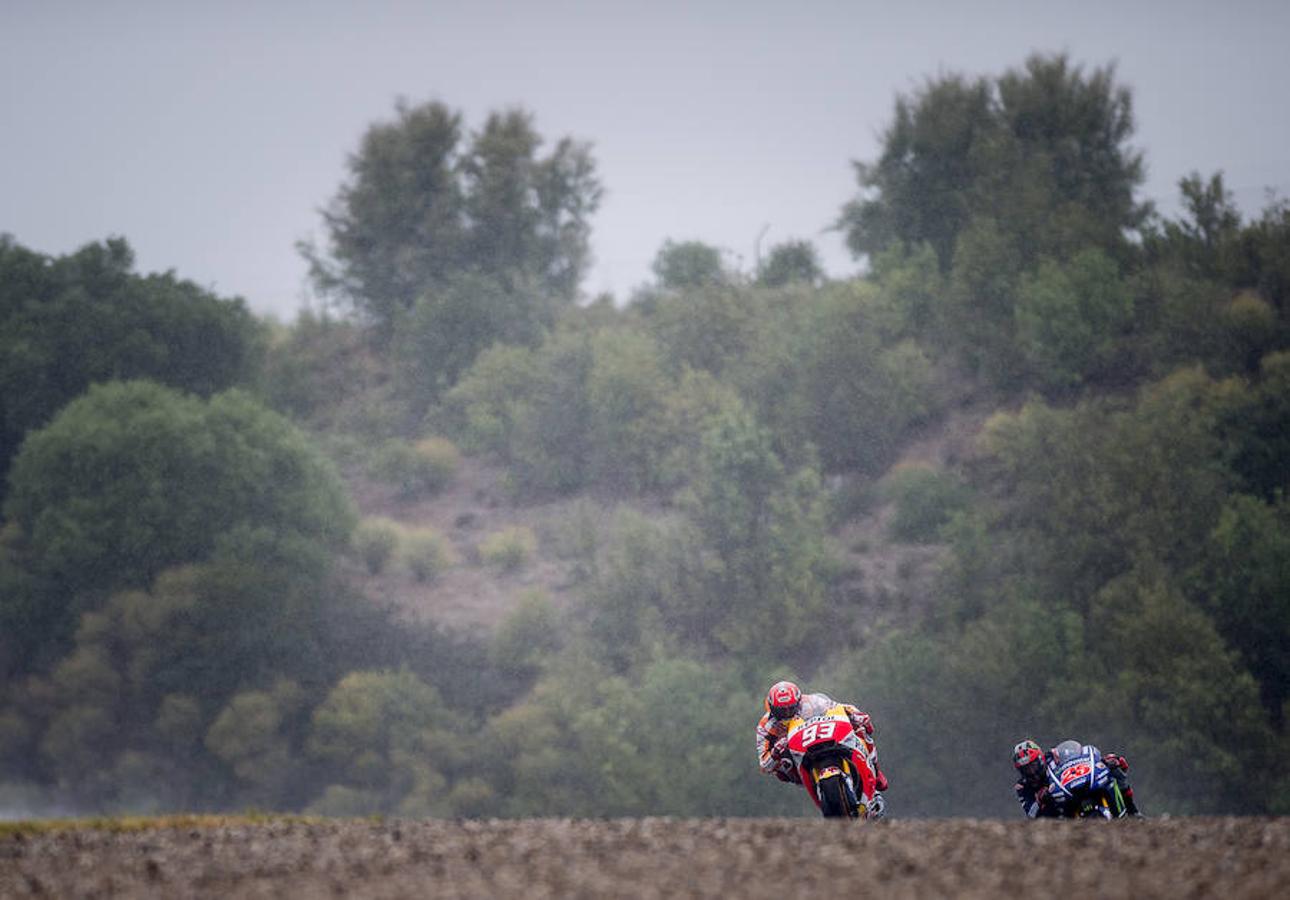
(1177, 321)
(249, 736)
(134, 478)
(627, 391)
(759, 530)
(325, 373)
(827, 372)
(926, 498)
(375, 737)
(981, 299)
(933, 153)
(1042, 148)
(450, 324)
(1208, 289)
(573, 747)
(394, 228)
(913, 288)
(199, 680)
(1069, 132)
(792, 262)
(1096, 490)
(639, 590)
(485, 407)
(1248, 581)
(528, 216)
(1256, 422)
(1265, 242)
(705, 328)
(531, 408)
(694, 401)
(419, 469)
(1070, 317)
(70, 321)
(26, 617)
(551, 449)
(1204, 240)
(530, 634)
(1164, 703)
(683, 265)
(421, 211)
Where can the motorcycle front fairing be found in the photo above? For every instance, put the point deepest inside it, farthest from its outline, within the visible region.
(1081, 782)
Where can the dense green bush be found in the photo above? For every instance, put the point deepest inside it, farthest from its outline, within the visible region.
(575, 535)
(759, 534)
(248, 736)
(419, 468)
(573, 747)
(376, 738)
(825, 373)
(426, 553)
(705, 328)
(529, 635)
(149, 671)
(626, 394)
(485, 407)
(925, 499)
(322, 370)
(510, 549)
(1069, 318)
(376, 540)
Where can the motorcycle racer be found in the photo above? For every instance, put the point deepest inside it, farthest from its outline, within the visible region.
(785, 701)
(1032, 786)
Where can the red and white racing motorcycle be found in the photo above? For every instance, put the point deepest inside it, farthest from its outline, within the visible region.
(833, 763)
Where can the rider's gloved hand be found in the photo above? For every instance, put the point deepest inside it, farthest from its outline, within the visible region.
(785, 771)
(862, 723)
(780, 748)
(1115, 761)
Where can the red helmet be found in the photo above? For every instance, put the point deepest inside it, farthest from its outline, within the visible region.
(1028, 759)
(783, 700)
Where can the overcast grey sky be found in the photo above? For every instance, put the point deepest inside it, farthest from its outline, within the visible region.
(209, 134)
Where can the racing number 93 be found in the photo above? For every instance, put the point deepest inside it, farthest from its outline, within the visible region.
(819, 731)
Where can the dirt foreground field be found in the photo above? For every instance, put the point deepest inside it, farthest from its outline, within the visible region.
(745, 858)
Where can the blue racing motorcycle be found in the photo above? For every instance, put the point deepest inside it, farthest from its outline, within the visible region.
(1082, 785)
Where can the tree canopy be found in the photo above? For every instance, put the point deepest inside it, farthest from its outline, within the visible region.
(133, 478)
(426, 205)
(1042, 151)
(68, 322)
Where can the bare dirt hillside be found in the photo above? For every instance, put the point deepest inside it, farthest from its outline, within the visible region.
(888, 580)
(748, 858)
(469, 594)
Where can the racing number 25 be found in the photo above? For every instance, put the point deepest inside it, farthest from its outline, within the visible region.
(1079, 770)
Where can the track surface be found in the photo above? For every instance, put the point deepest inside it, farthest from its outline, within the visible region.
(745, 858)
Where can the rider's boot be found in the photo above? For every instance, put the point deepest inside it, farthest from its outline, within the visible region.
(1130, 804)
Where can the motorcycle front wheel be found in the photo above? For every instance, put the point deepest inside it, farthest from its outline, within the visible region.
(834, 800)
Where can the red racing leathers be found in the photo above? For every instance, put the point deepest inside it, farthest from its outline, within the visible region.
(772, 735)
